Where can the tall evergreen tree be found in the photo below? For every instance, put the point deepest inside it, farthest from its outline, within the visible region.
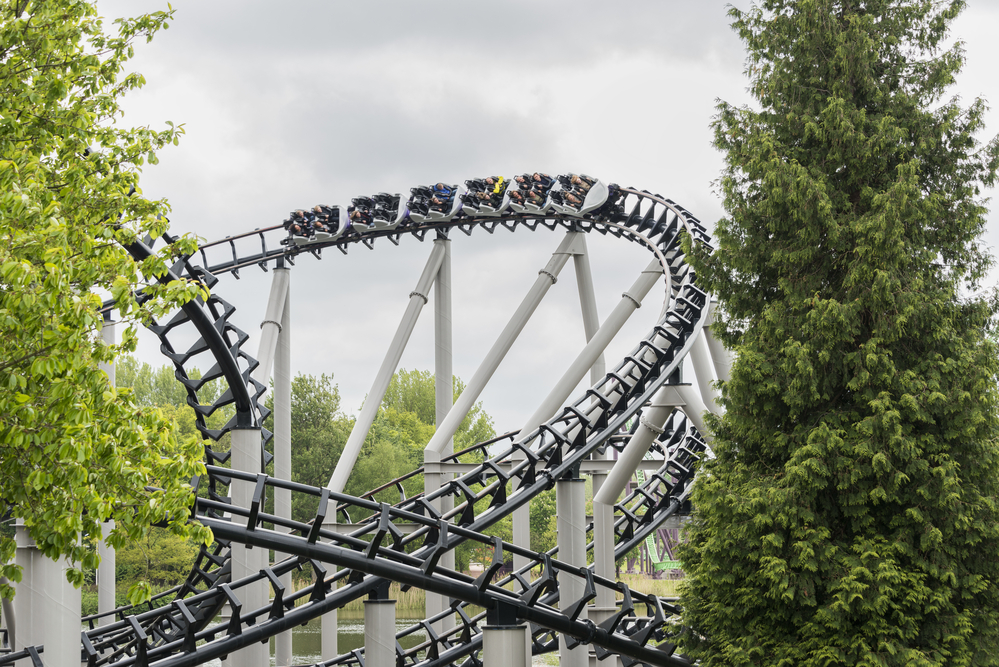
(850, 514)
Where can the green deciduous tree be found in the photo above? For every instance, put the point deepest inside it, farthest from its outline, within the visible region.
(414, 391)
(850, 515)
(319, 430)
(74, 451)
(160, 558)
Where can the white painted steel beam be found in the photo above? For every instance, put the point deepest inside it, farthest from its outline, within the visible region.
(700, 359)
(694, 409)
(106, 577)
(282, 450)
(247, 561)
(435, 603)
(329, 630)
(379, 633)
(106, 581)
(546, 278)
(443, 340)
(506, 646)
(47, 606)
(271, 325)
(417, 299)
(570, 525)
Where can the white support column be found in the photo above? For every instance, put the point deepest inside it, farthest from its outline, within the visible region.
(570, 504)
(506, 646)
(351, 450)
(46, 606)
(328, 639)
(444, 401)
(379, 632)
(7, 610)
(446, 429)
(443, 353)
(246, 560)
(270, 328)
(282, 450)
(546, 278)
(106, 582)
(521, 531)
(369, 410)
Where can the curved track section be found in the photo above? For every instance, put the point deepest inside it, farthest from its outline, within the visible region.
(379, 549)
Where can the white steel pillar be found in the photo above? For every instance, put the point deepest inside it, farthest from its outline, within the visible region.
(106, 576)
(593, 351)
(46, 606)
(570, 524)
(106, 582)
(282, 449)
(443, 353)
(694, 408)
(247, 560)
(446, 429)
(379, 632)
(328, 639)
(506, 646)
(351, 450)
(444, 401)
(270, 328)
(7, 609)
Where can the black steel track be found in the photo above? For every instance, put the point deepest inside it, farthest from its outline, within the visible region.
(377, 549)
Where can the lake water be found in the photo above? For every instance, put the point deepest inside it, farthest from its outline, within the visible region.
(306, 640)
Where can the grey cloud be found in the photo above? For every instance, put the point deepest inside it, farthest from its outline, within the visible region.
(519, 31)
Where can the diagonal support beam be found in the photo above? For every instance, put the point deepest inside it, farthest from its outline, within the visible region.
(546, 278)
(417, 299)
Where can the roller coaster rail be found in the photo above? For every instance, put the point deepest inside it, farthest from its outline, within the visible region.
(374, 551)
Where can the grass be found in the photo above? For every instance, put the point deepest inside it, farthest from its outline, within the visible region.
(664, 588)
(412, 600)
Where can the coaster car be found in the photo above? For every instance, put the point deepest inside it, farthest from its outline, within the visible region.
(532, 194)
(321, 224)
(578, 194)
(486, 196)
(359, 214)
(385, 214)
(435, 203)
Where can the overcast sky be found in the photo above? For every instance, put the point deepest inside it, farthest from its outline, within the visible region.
(287, 105)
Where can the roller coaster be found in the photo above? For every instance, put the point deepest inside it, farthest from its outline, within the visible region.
(354, 546)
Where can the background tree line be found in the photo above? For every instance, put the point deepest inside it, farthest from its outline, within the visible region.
(319, 430)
